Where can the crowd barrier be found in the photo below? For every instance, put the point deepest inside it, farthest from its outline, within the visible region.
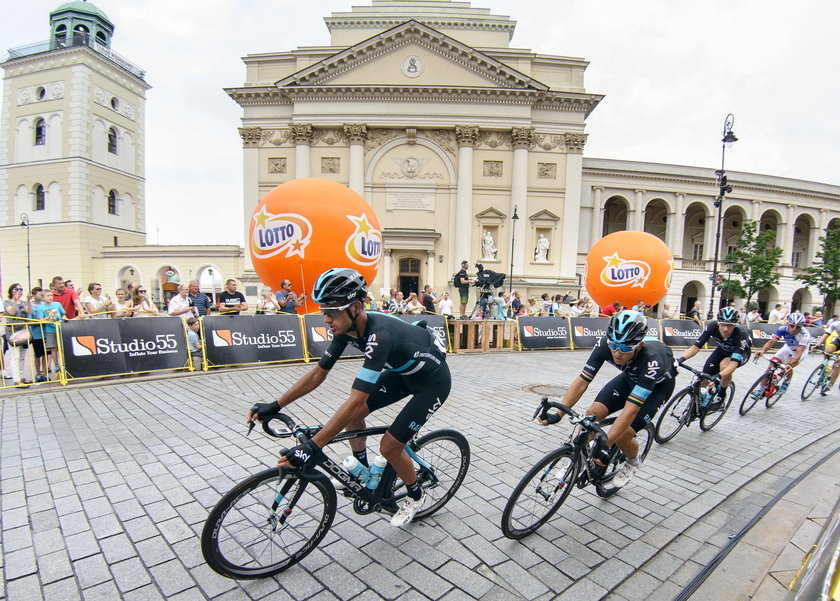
(94, 348)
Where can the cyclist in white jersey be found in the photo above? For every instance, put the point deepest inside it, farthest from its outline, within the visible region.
(796, 340)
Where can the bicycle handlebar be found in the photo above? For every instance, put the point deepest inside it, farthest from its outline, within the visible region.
(701, 374)
(585, 421)
(268, 429)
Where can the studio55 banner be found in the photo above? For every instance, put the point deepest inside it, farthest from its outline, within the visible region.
(245, 339)
(104, 347)
(587, 330)
(762, 332)
(319, 337)
(543, 332)
(679, 332)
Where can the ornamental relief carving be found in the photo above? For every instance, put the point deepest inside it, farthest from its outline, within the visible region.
(51, 91)
(301, 133)
(550, 142)
(355, 132)
(495, 139)
(330, 137)
(411, 168)
(445, 138)
(466, 135)
(522, 137)
(275, 137)
(378, 137)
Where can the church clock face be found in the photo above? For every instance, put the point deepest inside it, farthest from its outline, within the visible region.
(412, 66)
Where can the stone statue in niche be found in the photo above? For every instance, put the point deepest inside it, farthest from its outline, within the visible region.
(488, 247)
(541, 252)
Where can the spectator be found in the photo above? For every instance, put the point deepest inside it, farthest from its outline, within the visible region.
(398, 304)
(287, 300)
(96, 305)
(36, 332)
(370, 304)
(777, 314)
(67, 298)
(640, 306)
(546, 304)
(586, 306)
(499, 307)
(267, 303)
(232, 302)
(462, 283)
(742, 315)
(200, 301)
(194, 342)
(516, 304)
(413, 306)
(54, 313)
(445, 305)
(384, 301)
(533, 309)
(611, 310)
(574, 308)
(754, 316)
(122, 304)
(557, 306)
(696, 313)
(808, 318)
(143, 307)
(429, 300)
(180, 304)
(818, 318)
(15, 307)
(668, 312)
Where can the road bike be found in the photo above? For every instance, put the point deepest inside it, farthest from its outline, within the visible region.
(275, 518)
(820, 377)
(687, 405)
(548, 483)
(767, 387)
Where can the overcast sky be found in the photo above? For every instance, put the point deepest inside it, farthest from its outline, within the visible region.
(670, 70)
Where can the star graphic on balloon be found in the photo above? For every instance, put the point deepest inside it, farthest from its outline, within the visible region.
(262, 217)
(613, 261)
(362, 225)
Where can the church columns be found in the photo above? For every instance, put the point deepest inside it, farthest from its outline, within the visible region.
(787, 236)
(251, 171)
(430, 269)
(356, 134)
(597, 215)
(638, 214)
(466, 136)
(673, 237)
(709, 229)
(521, 140)
(571, 203)
(387, 282)
(302, 135)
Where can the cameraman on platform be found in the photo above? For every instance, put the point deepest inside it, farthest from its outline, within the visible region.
(462, 283)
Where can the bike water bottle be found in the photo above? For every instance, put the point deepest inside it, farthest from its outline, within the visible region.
(705, 397)
(356, 469)
(376, 469)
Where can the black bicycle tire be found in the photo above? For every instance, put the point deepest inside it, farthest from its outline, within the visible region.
(818, 372)
(215, 556)
(747, 403)
(664, 411)
(602, 488)
(707, 424)
(548, 461)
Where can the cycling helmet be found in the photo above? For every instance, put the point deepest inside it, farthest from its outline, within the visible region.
(796, 319)
(339, 288)
(627, 327)
(727, 315)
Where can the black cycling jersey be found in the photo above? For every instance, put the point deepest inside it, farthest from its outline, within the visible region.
(389, 345)
(652, 365)
(737, 346)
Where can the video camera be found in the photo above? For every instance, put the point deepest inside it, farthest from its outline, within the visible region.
(487, 278)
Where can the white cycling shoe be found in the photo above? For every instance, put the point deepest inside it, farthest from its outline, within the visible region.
(625, 474)
(408, 509)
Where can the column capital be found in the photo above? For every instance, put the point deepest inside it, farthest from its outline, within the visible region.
(521, 137)
(301, 133)
(638, 192)
(575, 142)
(466, 135)
(387, 252)
(356, 133)
(598, 188)
(250, 136)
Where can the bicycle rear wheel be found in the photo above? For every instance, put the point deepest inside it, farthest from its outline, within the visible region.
(755, 392)
(813, 382)
(267, 523)
(710, 419)
(644, 438)
(674, 415)
(540, 493)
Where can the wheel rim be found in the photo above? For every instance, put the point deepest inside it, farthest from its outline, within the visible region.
(710, 420)
(814, 381)
(674, 417)
(541, 496)
(755, 392)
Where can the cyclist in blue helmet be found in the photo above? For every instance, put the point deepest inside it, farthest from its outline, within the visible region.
(401, 360)
(734, 346)
(796, 342)
(647, 378)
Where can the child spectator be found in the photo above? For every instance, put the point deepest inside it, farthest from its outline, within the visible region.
(53, 312)
(193, 327)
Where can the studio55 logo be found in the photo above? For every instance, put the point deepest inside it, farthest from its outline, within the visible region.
(85, 346)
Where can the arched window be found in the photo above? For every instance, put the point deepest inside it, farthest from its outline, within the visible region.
(112, 202)
(80, 35)
(100, 37)
(40, 198)
(40, 132)
(61, 36)
(112, 140)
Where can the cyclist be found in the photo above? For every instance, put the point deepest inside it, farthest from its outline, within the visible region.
(647, 380)
(401, 359)
(796, 340)
(832, 345)
(733, 350)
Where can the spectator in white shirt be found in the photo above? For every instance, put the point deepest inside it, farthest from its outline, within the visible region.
(182, 304)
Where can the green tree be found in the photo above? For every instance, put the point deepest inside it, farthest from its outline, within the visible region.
(754, 260)
(824, 274)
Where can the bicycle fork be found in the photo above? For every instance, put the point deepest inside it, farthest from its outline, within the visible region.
(277, 521)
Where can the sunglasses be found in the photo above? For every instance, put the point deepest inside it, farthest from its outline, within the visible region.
(16, 289)
(334, 311)
(141, 292)
(624, 348)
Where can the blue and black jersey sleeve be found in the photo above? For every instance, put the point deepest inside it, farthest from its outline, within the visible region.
(597, 357)
(378, 347)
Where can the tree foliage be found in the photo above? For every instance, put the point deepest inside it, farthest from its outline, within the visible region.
(824, 274)
(754, 261)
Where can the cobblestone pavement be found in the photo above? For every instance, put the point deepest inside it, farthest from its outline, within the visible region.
(105, 488)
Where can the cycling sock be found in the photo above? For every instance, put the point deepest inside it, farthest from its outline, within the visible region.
(634, 461)
(414, 490)
(362, 457)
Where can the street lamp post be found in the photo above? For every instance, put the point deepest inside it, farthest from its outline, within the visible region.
(514, 218)
(723, 188)
(24, 221)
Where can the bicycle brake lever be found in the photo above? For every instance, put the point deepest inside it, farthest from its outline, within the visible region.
(250, 428)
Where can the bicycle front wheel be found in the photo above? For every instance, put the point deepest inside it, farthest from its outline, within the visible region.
(540, 493)
(674, 415)
(755, 392)
(814, 381)
(710, 419)
(267, 523)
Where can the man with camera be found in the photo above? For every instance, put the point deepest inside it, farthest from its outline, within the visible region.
(462, 283)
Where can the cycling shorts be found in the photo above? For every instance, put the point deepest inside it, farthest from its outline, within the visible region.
(833, 340)
(614, 395)
(786, 352)
(428, 395)
(712, 366)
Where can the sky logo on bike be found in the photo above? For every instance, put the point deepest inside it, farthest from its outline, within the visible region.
(531, 331)
(584, 331)
(83, 346)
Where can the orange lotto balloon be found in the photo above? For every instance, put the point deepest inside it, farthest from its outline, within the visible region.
(306, 226)
(628, 267)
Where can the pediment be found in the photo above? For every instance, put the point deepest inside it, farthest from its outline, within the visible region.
(411, 54)
(545, 215)
(491, 214)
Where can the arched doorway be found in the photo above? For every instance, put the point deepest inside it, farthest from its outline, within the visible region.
(615, 215)
(692, 292)
(409, 276)
(656, 218)
(802, 301)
